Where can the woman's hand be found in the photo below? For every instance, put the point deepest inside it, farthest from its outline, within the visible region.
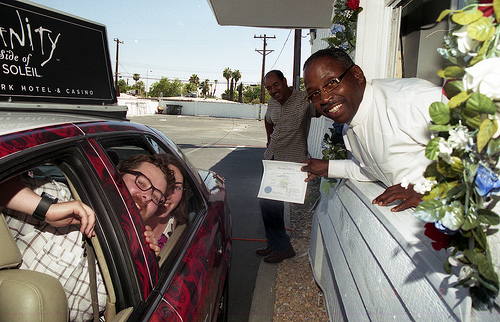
(151, 240)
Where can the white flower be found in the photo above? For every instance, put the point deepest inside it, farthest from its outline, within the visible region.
(425, 186)
(445, 151)
(465, 44)
(459, 137)
(484, 77)
(497, 133)
(405, 182)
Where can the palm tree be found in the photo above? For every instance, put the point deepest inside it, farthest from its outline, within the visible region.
(227, 73)
(204, 86)
(215, 87)
(235, 77)
(136, 77)
(194, 79)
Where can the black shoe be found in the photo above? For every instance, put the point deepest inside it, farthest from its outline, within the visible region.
(278, 257)
(264, 251)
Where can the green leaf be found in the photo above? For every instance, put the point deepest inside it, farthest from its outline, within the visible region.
(325, 187)
(493, 147)
(447, 266)
(472, 118)
(451, 170)
(443, 14)
(480, 238)
(486, 131)
(458, 99)
(431, 171)
(485, 268)
(481, 29)
(466, 17)
(457, 192)
(481, 53)
(470, 221)
(440, 128)
(452, 72)
(488, 217)
(433, 194)
(471, 172)
(430, 210)
(496, 8)
(480, 103)
(453, 216)
(432, 149)
(453, 88)
(440, 113)
(491, 285)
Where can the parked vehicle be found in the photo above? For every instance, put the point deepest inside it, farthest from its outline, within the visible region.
(55, 124)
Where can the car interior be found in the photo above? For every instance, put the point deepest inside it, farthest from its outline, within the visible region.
(23, 291)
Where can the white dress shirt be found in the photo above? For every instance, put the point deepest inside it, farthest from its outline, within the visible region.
(389, 133)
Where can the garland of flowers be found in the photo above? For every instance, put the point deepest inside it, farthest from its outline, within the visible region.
(463, 182)
(344, 25)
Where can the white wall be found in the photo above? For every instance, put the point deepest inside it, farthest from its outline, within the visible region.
(138, 106)
(216, 108)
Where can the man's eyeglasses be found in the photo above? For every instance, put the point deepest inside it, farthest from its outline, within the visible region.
(145, 184)
(330, 86)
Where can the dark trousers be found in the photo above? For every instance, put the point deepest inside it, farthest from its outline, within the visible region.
(274, 223)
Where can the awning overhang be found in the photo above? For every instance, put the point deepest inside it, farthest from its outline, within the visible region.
(289, 14)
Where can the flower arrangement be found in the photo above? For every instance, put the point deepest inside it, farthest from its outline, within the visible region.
(462, 183)
(344, 25)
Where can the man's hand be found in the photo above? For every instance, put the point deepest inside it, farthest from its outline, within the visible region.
(409, 196)
(72, 213)
(151, 240)
(315, 168)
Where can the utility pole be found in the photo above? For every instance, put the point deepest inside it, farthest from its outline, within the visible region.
(118, 42)
(296, 58)
(263, 52)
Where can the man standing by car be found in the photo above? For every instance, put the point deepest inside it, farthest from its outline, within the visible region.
(287, 123)
(58, 251)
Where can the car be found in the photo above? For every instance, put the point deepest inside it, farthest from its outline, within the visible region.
(71, 129)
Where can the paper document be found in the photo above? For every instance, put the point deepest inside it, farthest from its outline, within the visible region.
(283, 181)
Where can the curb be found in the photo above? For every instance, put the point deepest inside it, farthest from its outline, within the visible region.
(262, 309)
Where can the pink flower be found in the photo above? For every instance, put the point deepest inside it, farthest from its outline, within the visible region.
(487, 10)
(353, 4)
(440, 240)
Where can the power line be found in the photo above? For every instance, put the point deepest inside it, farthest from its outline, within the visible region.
(282, 48)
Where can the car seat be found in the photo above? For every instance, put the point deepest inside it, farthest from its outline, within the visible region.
(27, 295)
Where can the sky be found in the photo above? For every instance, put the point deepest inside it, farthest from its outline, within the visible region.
(175, 39)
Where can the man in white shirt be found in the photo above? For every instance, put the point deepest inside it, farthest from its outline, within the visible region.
(386, 124)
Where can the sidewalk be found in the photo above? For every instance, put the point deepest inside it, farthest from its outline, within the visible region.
(287, 291)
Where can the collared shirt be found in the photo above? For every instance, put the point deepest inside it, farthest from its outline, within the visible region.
(389, 133)
(56, 251)
(291, 122)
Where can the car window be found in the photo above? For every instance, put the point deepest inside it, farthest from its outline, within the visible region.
(120, 149)
(57, 251)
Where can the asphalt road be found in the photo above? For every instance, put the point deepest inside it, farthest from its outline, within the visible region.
(234, 149)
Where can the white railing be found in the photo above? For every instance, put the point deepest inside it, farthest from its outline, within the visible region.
(376, 265)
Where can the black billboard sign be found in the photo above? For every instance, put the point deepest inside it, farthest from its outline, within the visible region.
(48, 56)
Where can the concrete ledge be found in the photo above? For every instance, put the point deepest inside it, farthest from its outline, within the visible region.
(262, 309)
(263, 296)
